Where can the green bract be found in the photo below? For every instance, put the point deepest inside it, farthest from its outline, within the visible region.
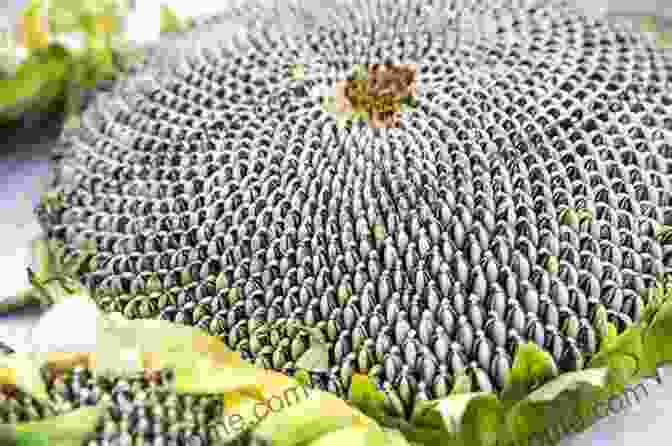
(535, 398)
(56, 77)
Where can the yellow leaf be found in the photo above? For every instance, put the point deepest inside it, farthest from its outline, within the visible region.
(198, 375)
(7, 376)
(60, 362)
(105, 24)
(22, 371)
(239, 411)
(32, 32)
(307, 420)
(155, 338)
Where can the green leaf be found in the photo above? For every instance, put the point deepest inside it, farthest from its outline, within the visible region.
(303, 377)
(474, 418)
(361, 115)
(531, 368)
(35, 84)
(32, 439)
(596, 377)
(568, 399)
(366, 397)
(462, 384)
(610, 335)
(70, 429)
(352, 436)
(657, 339)
(421, 436)
(622, 355)
(170, 22)
(33, 7)
(426, 414)
(395, 438)
(101, 61)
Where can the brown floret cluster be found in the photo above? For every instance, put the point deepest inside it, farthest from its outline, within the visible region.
(380, 95)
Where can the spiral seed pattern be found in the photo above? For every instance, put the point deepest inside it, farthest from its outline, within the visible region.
(517, 202)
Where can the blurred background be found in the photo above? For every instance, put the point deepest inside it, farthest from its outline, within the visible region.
(48, 70)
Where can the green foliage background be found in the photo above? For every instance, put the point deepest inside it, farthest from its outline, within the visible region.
(55, 77)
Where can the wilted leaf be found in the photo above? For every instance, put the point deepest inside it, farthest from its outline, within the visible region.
(22, 370)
